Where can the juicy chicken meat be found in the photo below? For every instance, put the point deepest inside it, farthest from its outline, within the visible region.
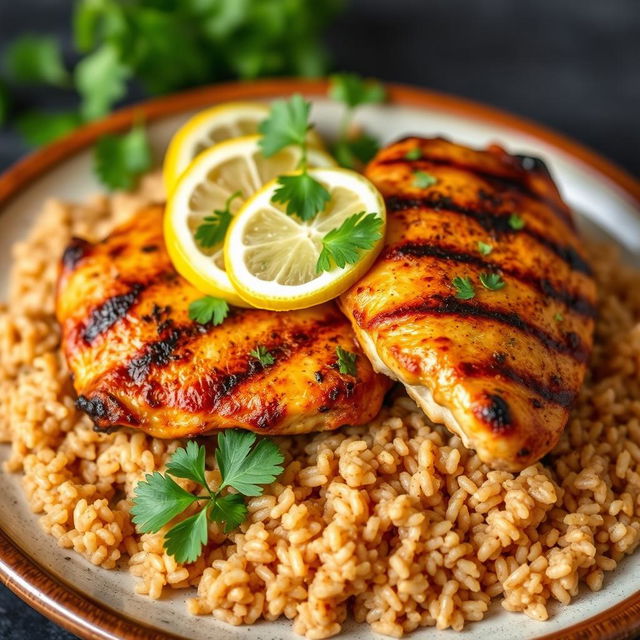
(500, 369)
(138, 360)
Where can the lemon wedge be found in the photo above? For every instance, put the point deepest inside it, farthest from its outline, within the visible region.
(236, 165)
(271, 258)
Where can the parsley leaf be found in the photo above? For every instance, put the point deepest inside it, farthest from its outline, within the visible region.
(516, 222)
(423, 180)
(346, 361)
(214, 228)
(101, 80)
(492, 281)
(558, 317)
(353, 90)
(413, 154)
(36, 60)
(345, 244)
(287, 124)
(39, 128)
(229, 509)
(189, 463)
(185, 540)
(209, 309)
(464, 287)
(302, 194)
(158, 500)
(484, 248)
(261, 354)
(243, 465)
(245, 468)
(356, 151)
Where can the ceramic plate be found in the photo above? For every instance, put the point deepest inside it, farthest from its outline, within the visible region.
(96, 603)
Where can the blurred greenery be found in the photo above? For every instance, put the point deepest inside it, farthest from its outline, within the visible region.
(163, 46)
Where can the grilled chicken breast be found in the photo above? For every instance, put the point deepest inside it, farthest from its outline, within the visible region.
(502, 368)
(138, 360)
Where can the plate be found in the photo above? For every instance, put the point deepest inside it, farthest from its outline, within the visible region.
(96, 603)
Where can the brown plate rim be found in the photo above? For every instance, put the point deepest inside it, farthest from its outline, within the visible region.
(94, 621)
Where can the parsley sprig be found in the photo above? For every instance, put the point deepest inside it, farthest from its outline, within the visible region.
(264, 357)
(288, 125)
(209, 310)
(212, 230)
(244, 466)
(463, 287)
(354, 147)
(346, 361)
(345, 244)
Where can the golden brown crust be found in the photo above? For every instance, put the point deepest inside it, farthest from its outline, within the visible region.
(504, 367)
(139, 361)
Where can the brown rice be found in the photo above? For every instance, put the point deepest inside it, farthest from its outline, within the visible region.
(395, 522)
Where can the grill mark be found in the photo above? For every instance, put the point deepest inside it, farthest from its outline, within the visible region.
(491, 222)
(441, 305)
(573, 301)
(104, 408)
(495, 412)
(76, 250)
(109, 312)
(561, 396)
(512, 182)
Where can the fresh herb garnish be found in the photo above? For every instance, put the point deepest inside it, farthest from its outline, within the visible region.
(288, 124)
(558, 317)
(212, 230)
(120, 160)
(464, 287)
(345, 244)
(209, 309)
(158, 499)
(39, 127)
(346, 361)
(263, 356)
(492, 281)
(423, 180)
(516, 222)
(36, 60)
(413, 154)
(354, 147)
(484, 248)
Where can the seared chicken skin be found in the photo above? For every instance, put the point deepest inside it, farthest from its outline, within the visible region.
(138, 360)
(502, 368)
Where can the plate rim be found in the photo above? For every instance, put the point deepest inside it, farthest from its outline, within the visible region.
(93, 620)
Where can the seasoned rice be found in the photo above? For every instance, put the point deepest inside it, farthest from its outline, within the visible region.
(395, 522)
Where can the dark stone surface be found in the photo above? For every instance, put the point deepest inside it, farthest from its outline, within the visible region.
(571, 64)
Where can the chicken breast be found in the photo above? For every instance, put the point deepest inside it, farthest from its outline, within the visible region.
(138, 360)
(501, 368)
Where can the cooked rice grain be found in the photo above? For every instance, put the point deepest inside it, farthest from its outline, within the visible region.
(395, 522)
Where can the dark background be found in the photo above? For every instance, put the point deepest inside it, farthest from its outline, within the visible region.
(573, 65)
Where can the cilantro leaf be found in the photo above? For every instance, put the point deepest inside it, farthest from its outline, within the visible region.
(208, 309)
(423, 180)
(261, 354)
(188, 462)
(39, 128)
(302, 194)
(36, 60)
(516, 222)
(245, 468)
(492, 281)
(354, 152)
(345, 245)
(287, 124)
(413, 154)
(346, 361)
(214, 228)
(229, 509)
(101, 80)
(185, 540)
(353, 90)
(121, 159)
(464, 288)
(157, 500)
(484, 248)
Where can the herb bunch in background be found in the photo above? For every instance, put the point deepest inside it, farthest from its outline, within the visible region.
(163, 46)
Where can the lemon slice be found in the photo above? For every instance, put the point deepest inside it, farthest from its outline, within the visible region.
(210, 127)
(205, 186)
(271, 257)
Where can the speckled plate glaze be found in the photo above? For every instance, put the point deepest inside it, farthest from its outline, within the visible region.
(95, 603)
